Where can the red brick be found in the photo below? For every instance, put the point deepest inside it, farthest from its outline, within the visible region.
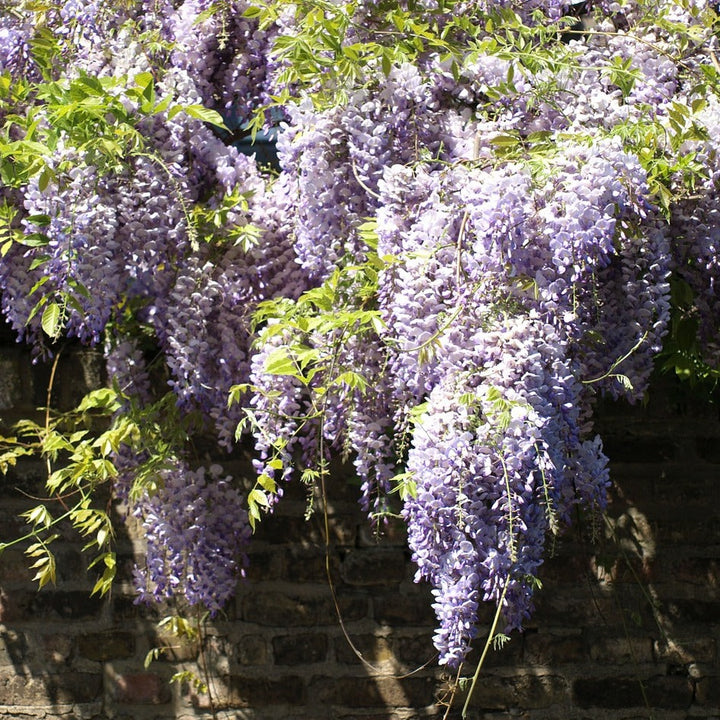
(250, 692)
(544, 648)
(374, 649)
(374, 567)
(139, 689)
(621, 650)
(104, 646)
(21, 688)
(302, 649)
(364, 692)
(708, 691)
(399, 609)
(252, 650)
(666, 692)
(531, 691)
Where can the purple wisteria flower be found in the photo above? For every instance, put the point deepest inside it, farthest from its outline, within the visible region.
(195, 528)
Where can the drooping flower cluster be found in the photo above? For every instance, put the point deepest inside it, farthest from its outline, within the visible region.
(499, 463)
(195, 527)
(486, 298)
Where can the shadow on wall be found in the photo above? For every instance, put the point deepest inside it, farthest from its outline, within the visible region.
(626, 627)
(57, 645)
(630, 613)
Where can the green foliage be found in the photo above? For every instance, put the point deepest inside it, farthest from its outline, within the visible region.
(682, 352)
(84, 455)
(313, 329)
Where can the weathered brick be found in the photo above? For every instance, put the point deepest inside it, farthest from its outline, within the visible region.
(301, 649)
(49, 689)
(64, 605)
(620, 650)
(265, 565)
(86, 367)
(364, 692)
(373, 567)
(252, 650)
(696, 525)
(13, 648)
(392, 533)
(399, 609)
(498, 692)
(682, 650)
(414, 650)
(48, 605)
(28, 476)
(288, 526)
(567, 568)
(307, 565)
(281, 529)
(127, 608)
(707, 691)
(15, 565)
(15, 568)
(388, 714)
(344, 529)
(511, 652)
(542, 648)
(667, 692)
(374, 649)
(57, 649)
(139, 689)
(174, 649)
(279, 609)
(11, 526)
(125, 567)
(693, 610)
(11, 384)
(637, 450)
(688, 570)
(683, 484)
(575, 607)
(708, 449)
(108, 645)
(249, 692)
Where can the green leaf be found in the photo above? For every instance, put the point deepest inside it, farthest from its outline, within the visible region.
(39, 515)
(279, 362)
(387, 61)
(38, 261)
(104, 583)
(368, 233)
(258, 497)
(40, 220)
(152, 654)
(266, 482)
(33, 240)
(45, 571)
(101, 399)
(505, 141)
(200, 113)
(51, 320)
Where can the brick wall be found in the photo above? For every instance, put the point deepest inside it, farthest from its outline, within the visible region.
(627, 625)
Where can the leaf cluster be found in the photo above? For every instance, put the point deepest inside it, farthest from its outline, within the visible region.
(71, 440)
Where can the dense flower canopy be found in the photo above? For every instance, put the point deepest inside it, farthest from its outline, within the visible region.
(480, 212)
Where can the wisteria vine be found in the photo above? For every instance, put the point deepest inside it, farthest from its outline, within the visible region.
(486, 215)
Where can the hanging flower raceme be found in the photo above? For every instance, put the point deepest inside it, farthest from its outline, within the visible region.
(195, 527)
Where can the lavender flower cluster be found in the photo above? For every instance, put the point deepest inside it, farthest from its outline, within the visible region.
(195, 528)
